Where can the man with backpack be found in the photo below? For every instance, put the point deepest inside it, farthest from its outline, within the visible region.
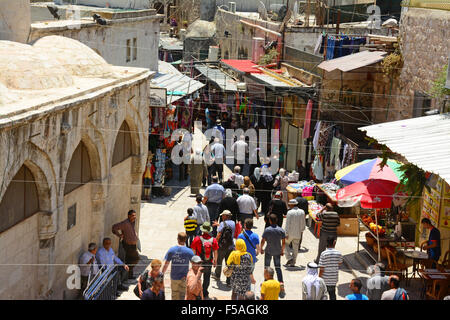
(206, 247)
(251, 240)
(225, 235)
(395, 293)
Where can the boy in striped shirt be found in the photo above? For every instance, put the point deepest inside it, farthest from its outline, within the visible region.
(329, 263)
(190, 226)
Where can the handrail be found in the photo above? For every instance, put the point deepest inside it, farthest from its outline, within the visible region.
(100, 282)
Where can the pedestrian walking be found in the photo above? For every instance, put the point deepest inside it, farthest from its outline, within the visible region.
(266, 190)
(248, 184)
(225, 233)
(275, 237)
(281, 182)
(194, 290)
(206, 247)
(330, 222)
(313, 286)
(106, 257)
(277, 207)
(230, 184)
(179, 256)
(257, 182)
(190, 226)
(241, 278)
(213, 196)
(294, 227)
(238, 178)
(355, 286)
(146, 279)
(270, 288)
(378, 282)
(251, 240)
(127, 234)
(247, 206)
(88, 266)
(329, 263)
(156, 292)
(229, 203)
(302, 205)
(218, 152)
(200, 212)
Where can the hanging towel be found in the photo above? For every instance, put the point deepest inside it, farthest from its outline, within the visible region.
(318, 168)
(307, 124)
(316, 135)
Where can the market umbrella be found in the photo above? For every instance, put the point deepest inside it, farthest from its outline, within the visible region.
(370, 169)
(371, 194)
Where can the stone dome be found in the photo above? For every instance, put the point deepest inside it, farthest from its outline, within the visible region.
(24, 67)
(201, 29)
(6, 96)
(77, 58)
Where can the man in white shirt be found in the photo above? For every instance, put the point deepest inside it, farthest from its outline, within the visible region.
(88, 265)
(238, 178)
(218, 151)
(240, 149)
(106, 256)
(201, 213)
(247, 206)
(294, 226)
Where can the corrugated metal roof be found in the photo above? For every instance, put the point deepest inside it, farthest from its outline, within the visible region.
(224, 81)
(274, 82)
(353, 61)
(170, 44)
(423, 141)
(246, 66)
(177, 84)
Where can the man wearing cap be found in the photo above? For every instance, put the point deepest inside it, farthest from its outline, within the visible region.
(278, 208)
(213, 196)
(247, 206)
(313, 287)
(225, 240)
(206, 247)
(219, 127)
(294, 227)
(194, 280)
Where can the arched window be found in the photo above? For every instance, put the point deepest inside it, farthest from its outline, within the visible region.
(20, 200)
(122, 147)
(79, 172)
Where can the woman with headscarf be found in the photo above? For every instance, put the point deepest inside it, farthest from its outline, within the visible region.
(231, 184)
(281, 183)
(313, 287)
(229, 203)
(303, 205)
(248, 184)
(266, 190)
(146, 279)
(277, 207)
(257, 182)
(241, 279)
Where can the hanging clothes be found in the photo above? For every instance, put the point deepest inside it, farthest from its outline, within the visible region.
(335, 150)
(316, 135)
(319, 44)
(307, 123)
(317, 168)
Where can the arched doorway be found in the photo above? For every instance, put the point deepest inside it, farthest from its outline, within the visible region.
(19, 238)
(119, 194)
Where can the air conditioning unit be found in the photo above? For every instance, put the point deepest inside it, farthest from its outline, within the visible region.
(232, 6)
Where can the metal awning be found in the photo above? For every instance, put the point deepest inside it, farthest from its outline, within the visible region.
(423, 141)
(170, 44)
(177, 84)
(353, 61)
(224, 81)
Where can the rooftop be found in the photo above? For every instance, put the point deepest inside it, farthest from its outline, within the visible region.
(353, 61)
(54, 71)
(423, 141)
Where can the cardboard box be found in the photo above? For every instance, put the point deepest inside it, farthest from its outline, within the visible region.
(348, 227)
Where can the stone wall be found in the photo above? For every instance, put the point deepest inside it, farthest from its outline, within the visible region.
(111, 41)
(45, 142)
(425, 49)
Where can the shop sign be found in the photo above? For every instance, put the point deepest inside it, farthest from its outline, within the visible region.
(158, 97)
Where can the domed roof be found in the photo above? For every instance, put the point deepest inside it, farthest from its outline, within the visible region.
(6, 96)
(201, 29)
(24, 67)
(77, 58)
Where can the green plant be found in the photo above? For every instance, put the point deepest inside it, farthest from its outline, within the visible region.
(393, 63)
(438, 90)
(413, 182)
(268, 57)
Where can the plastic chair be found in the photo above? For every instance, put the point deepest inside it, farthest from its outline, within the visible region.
(446, 261)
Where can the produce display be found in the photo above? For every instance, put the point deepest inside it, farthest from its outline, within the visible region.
(370, 223)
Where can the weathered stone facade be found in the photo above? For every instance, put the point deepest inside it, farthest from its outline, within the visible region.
(425, 47)
(41, 130)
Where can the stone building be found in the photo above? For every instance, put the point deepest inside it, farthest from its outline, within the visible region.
(73, 135)
(130, 37)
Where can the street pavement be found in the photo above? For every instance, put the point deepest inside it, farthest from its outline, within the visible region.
(162, 219)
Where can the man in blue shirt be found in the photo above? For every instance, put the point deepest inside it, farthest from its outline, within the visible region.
(355, 286)
(212, 198)
(219, 127)
(106, 256)
(251, 240)
(433, 245)
(180, 256)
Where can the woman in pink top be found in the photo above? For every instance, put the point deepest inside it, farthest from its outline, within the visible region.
(194, 289)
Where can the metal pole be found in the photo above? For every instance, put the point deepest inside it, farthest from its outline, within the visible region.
(378, 237)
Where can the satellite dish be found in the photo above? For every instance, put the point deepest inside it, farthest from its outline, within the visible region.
(262, 10)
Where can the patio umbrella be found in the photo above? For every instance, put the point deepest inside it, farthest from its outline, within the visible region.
(370, 169)
(371, 194)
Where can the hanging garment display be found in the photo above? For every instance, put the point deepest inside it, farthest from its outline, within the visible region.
(316, 135)
(335, 150)
(307, 123)
(317, 168)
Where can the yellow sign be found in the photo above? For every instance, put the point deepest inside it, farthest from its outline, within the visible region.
(431, 203)
(445, 210)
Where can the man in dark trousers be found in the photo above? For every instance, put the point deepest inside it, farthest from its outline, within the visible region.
(129, 239)
(433, 245)
(330, 221)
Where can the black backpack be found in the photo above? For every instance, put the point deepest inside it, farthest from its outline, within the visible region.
(226, 237)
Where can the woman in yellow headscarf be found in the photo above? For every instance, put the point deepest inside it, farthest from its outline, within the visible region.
(242, 276)
(248, 184)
